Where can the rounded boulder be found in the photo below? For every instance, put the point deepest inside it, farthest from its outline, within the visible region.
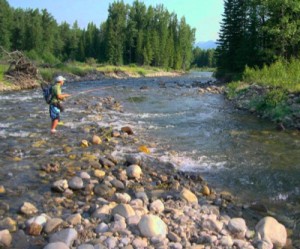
(152, 225)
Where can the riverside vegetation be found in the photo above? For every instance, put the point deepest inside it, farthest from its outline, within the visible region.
(272, 92)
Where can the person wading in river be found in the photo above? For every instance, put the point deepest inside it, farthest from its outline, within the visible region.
(55, 107)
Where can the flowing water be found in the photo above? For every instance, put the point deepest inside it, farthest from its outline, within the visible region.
(233, 150)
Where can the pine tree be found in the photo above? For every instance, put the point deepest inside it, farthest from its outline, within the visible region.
(116, 27)
(233, 31)
(5, 24)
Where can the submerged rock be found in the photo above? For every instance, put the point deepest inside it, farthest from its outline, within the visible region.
(28, 209)
(96, 140)
(127, 130)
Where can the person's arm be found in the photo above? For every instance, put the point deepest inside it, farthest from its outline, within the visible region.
(60, 95)
(63, 96)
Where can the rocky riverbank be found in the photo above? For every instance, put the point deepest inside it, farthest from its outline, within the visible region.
(129, 200)
(277, 105)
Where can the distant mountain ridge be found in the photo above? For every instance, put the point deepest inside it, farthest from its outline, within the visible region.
(206, 44)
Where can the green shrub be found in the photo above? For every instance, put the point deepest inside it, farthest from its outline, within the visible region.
(279, 112)
(275, 97)
(282, 73)
(3, 69)
(33, 55)
(91, 61)
(47, 74)
(50, 58)
(235, 88)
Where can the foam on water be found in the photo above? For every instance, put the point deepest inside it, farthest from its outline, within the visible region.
(18, 134)
(187, 163)
(16, 98)
(3, 125)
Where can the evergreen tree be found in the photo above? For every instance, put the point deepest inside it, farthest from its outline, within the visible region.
(186, 39)
(5, 24)
(116, 27)
(74, 41)
(33, 31)
(18, 30)
(233, 31)
(49, 27)
(91, 41)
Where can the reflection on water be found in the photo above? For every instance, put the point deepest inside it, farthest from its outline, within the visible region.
(232, 150)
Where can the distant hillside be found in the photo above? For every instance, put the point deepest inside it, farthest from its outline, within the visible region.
(206, 44)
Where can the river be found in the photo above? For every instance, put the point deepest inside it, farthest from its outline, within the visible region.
(202, 133)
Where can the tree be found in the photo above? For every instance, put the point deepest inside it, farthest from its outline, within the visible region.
(5, 24)
(230, 57)
(116, 27)
(186, 39)
(18, 31)
(49, 27)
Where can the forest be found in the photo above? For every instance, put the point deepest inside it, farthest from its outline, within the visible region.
(257, 33)
(253, 34)
(134, 34)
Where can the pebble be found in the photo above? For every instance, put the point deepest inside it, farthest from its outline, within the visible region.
(67, 236)
(76, 183)
(28, 209)
(60, 185)
(96, 140)
(188, 196)
(157, 206)
(124, 210)
(237, 227)
(56, 245)
(2, 189)
(9, 224)
(52, 225)
(151, 225)
(134, 171)
(5, 238)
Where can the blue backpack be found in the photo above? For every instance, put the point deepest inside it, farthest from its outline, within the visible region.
(47, 92)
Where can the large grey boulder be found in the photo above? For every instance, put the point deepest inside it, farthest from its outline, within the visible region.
(269, 229)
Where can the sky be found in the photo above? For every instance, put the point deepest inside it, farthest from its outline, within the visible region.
(203, 15)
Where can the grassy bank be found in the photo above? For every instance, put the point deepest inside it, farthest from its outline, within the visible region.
(85, 69)
(273, 92)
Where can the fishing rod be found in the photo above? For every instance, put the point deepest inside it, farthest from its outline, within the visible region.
(93, 89)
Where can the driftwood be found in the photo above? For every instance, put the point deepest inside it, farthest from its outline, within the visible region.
(21, 70)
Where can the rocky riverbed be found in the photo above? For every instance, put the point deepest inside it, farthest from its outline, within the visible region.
(129, 200)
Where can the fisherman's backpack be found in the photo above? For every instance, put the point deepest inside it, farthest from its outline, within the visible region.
(47, 92)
